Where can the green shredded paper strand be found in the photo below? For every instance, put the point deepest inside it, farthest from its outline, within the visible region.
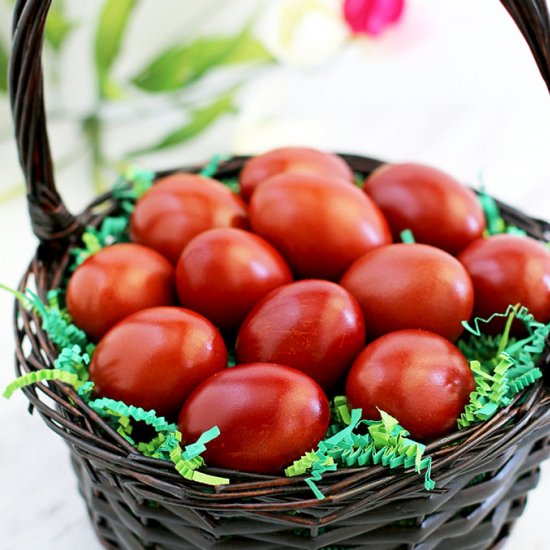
(212, 166)
(134, 183)
(57, 323)
(502, 366)
(495, 222)
(407, 236)
(166, 445)
(114, 229)
(39, 376)
(386, 443)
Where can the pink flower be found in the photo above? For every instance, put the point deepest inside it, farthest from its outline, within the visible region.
(372, 16)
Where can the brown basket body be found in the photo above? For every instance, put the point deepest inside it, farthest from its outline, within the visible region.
(136, 502)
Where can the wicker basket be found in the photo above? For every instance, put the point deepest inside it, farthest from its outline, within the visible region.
(136, 502)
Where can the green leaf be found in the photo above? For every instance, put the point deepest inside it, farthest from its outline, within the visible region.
(3, 68)
(249, 50)
(58, 27)
(199, 120)
(113, 22)
(181, 65)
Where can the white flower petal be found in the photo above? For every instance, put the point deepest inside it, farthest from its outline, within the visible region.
(304, 33)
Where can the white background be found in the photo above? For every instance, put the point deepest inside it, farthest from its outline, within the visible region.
(453, 86)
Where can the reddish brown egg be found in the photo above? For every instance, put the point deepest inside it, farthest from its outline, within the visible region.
(411, 286)
(224, 273)
(417, 377)
(116, 282)
(313, 326)
(319, 225)
(268, 416)
(291, 160)
(181, 206)
(508, 270)
(438, 209)
(156, 357)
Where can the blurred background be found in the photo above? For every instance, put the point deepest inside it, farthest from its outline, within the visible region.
(166, 83)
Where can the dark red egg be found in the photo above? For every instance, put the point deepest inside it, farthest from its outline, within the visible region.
(223, 273)
(438, 209)
(313, 326)
(181, 206)
(418, 377)
(156, 357)
(411, 286)
(268, 416)
(319, 225)
(508, 270)
(291, 160)
(116, 282)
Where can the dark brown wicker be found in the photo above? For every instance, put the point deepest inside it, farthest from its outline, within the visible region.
(136, 502)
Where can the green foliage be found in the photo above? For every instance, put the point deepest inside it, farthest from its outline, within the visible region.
(113, 22)
(58, 27)
(181, 65)
(171, 72)
(249, 50)
(199, 120)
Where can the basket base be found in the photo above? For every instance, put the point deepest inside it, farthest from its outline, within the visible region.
(123, 522)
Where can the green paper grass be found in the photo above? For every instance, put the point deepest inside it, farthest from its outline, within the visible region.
(39, 376)
(113, 229)
(135, 182)
(56, 322)
(407, 236)
(166, 444)
(73, 360)
(495, 222)
(502, 366)
(140, 181)
(71, 367)
(213, 164)
(188, 461)
(385, 444)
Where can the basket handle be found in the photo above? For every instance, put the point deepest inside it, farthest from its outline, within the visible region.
(50, 219)
(533, 20)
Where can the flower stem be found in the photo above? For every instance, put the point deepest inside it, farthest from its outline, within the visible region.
(92, 127)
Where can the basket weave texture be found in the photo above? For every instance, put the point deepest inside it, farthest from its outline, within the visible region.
(483, 473)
